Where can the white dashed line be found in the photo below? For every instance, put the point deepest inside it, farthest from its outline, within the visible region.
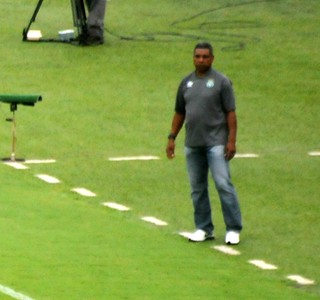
(185, 234)
(13, 294)
(84, 192)
(227, 250)
(246, 155)
(40, 161)
(48, 178)
(127, 158)
(154, 220)
(116, 206)
(16, 165)
(314, 153)
(301, 280)
(262, 265)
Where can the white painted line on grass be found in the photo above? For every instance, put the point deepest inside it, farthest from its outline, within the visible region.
(246, 155)
(116, 206)
(314, 153)
(185, 234)
(301, 280)
(48, 178)
(84, 192)
(13, 294)
(40, 161)
(154, 220)
(16, 165)
(262, 265)
(226, 250)
(127, 158)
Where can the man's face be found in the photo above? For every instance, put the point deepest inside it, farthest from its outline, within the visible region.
(202, 60)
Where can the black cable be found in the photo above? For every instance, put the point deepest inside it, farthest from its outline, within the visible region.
(234, 42)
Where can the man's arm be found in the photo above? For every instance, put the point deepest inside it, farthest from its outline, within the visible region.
(230, 150)
(177, 123)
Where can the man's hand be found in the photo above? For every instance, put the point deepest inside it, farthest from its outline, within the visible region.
(230, 151)
(177, 122)
(170, 149)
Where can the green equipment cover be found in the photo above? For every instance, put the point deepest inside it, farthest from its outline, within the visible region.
(29, 100)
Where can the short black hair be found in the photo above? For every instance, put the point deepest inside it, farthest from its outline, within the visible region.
(204, 45)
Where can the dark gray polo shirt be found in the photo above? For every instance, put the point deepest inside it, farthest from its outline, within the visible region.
(205, 101)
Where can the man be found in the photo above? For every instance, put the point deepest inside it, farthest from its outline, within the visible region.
(94, 34)
(205, 102)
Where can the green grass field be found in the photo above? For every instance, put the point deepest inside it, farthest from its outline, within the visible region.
(117, 100)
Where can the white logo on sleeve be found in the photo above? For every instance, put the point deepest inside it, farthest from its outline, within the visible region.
(189, 84)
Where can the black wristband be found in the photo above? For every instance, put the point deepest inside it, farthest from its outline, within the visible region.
(172, 136)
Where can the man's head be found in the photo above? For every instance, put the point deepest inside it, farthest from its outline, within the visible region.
(203, 57)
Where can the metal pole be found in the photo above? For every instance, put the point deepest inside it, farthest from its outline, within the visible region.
(33, 18)
(14, 137)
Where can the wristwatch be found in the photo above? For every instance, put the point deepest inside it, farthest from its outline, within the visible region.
(172, 136)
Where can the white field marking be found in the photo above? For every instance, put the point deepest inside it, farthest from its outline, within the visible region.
(154, 220)
(13, 294)
(116, 206)
(262, 265)
(48, 178)
(314, 153)
(246, 155)
(185, 234)
(126, 158)
(84, 192)
(16, 165)
(226, 250)
(301, 280)
(40, 161)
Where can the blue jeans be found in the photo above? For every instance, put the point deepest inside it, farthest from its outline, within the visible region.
(199, 161)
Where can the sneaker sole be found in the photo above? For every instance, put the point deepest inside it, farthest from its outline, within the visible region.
(209, 238)
(229, 243)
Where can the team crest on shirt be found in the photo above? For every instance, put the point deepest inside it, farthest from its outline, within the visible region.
(210, 83)
(189, 84)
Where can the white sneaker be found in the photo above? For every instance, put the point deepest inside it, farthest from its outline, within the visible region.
(200, 236)
(232, 237)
